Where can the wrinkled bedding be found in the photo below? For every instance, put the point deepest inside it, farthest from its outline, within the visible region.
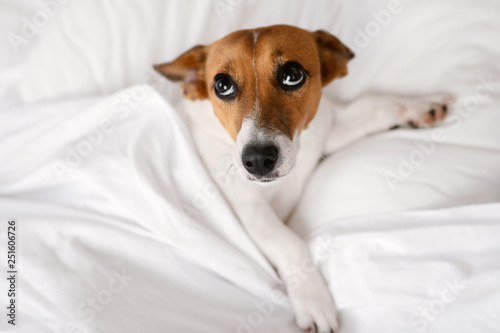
(120, 228)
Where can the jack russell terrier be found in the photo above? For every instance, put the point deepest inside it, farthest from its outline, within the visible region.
(270, 126)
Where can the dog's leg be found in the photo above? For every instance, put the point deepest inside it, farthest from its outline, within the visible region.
(288, 253)
(375, 113)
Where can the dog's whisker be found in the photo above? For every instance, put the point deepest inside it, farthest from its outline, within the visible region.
(218, 158)
(312, 131)
(234, 189)
(226, 174)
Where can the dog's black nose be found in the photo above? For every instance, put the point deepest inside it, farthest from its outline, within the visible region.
(259, 160)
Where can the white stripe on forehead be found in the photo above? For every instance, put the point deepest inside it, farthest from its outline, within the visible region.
(256, 106)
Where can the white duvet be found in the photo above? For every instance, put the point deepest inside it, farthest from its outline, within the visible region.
(120, 228)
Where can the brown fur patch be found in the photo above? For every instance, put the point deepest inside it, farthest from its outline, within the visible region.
(254, 69)
(189, 68)
(334, 56)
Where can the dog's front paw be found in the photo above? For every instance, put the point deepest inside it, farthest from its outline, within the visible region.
(313, 305)
(424, 112)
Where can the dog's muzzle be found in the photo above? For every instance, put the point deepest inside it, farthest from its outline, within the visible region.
(263, 155)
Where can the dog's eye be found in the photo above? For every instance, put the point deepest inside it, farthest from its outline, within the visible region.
(224, 87)
(291, 76)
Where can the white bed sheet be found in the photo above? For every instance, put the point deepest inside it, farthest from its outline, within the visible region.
(140, 204)
(127, 204)
(137, 199)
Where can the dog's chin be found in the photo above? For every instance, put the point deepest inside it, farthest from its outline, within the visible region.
(271, 178)
(263, 180)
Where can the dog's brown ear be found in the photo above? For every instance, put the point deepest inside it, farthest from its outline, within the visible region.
(333, 55)
(189, 70)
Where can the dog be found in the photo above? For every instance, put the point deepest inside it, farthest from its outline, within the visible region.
(263, 127)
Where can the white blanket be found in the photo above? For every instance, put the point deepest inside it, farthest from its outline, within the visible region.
(120, 228)
(100, 193)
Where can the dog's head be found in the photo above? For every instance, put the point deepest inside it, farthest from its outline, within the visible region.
(265, 86)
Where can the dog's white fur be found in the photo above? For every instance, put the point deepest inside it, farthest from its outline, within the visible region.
(262, 207)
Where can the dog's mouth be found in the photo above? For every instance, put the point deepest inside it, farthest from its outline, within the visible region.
(265, 179)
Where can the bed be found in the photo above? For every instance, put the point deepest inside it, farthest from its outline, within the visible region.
(120, 228)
